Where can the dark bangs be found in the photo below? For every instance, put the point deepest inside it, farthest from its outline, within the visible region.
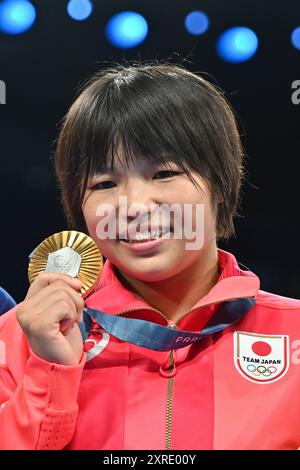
(160, 112)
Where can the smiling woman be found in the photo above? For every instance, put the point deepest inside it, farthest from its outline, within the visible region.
(135, 110)
(174, 341)
(124, 137)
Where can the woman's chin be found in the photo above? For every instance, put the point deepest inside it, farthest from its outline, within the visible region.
(150, 271)
(152, 266)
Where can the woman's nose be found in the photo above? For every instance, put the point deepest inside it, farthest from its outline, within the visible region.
(138, 201)
(138, 193)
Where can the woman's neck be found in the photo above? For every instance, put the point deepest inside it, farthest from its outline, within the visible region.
(178, 294)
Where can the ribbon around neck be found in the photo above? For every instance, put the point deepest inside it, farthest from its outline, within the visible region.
(161, 338)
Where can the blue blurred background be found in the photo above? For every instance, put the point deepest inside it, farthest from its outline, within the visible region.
(249, 48)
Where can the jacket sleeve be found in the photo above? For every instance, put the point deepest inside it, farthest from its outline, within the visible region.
(38, 399)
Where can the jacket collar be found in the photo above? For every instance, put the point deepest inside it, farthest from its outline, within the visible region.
(112, 297)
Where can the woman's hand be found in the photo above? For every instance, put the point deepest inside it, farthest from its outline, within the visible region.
(49, 315)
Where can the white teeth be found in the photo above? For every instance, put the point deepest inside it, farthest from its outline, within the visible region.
(140, 237)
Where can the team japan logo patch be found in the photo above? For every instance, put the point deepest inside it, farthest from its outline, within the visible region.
(261, 358)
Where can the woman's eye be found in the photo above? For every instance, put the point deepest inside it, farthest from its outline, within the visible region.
(102, 185)
(169, 173)
(108, 184)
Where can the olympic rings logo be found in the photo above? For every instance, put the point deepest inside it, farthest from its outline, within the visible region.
(261, 370)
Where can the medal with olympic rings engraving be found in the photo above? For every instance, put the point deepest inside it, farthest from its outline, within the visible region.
(69, 252)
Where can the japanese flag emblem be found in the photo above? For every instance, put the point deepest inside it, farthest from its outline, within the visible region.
(259, 358)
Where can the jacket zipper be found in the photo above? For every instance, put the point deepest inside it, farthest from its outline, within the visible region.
(170, 389)
(170, 386)
(169, 404)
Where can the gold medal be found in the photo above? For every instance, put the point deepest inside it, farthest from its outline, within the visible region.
(69, 252)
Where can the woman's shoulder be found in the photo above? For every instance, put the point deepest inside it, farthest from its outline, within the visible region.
(269, 299)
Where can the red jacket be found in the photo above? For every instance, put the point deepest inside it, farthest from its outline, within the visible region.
(239, 389)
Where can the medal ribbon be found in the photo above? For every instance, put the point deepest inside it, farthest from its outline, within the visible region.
(161, 338)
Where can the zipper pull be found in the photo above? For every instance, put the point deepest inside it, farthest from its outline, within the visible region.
(168, 368)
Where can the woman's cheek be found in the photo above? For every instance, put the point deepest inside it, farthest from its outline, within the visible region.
(90, 218)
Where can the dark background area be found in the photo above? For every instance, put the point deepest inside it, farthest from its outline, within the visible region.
(42, 69)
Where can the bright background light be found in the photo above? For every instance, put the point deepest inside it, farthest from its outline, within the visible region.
(237, 44)
(295, 38)
(196, 22)
(126, 29)
(16, 16)
(79, 9)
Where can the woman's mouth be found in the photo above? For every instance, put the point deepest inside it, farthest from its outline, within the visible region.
(146, 241)
(147, 236)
